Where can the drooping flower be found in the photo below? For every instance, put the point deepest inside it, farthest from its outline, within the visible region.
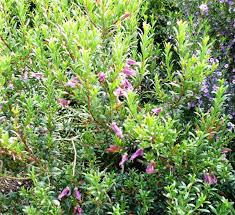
(209, 178)
(138, 153)
(113, 149)
(102, 77)
(37, 76)
(117, 130)
(226, 150)
(77, 194)
(73, 83)
(65, 193)
(129, 71)
(156, 110)
(123, 161)
(77, 210)
(151, 168)
(63, 102)
(204, 8)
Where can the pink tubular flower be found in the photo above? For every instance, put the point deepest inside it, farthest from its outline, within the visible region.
(102, 77)
(123, 161)
(117, 130)
(77, 210)
(65, 193)
(77, 194)
(209, 178)
(156, 110)
(131, 62)
(113, 149)
(226, 150)
(120, 92)
(73, 83)
(37, 76)
(126, 85)
(151, 168)
(64, 103)
(128, 71)
(138, 153)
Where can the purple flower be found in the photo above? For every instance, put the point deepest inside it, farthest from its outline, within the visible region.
(123, 161)
(73, 82)
(218, 73)
(63, 102)
(138, 153)
(102, 77)
(231, 126)
(204, 89)
(156, 110)
(117, 130)
(37, 76)
(209, 178)
(126, 85)
(204, 8)
(226, 66)
(191, 105)
(65, 193)
(214, 88)
(77, 194)
(11, 86)
(120, 92)
(77, 210)
(131, 62)
(128, 71)
(211, 60)
(151, 168)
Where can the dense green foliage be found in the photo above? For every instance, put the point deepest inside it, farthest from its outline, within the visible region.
(115, 107)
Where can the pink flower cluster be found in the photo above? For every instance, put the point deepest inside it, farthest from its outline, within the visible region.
(73, 83)
(209, 178)
(125, 85)
(66, 192)
(139, 152)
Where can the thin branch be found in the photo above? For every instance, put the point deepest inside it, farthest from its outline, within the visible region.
(5, 43)
(86, 13)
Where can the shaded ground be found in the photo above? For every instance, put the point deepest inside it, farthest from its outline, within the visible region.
(12, 184)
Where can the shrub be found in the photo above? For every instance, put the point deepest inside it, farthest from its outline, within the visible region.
(74, 115)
